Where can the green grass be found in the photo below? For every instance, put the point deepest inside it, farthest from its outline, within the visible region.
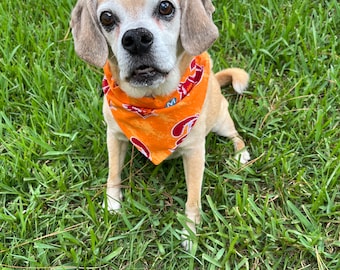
(281, 211)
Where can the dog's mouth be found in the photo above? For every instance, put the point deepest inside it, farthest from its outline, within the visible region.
(146, 76)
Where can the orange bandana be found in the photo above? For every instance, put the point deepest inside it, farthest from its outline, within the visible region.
(156, 126)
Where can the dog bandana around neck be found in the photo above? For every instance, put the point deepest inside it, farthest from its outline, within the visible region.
(156, 126)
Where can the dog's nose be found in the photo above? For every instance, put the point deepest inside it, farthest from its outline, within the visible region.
(137, 41)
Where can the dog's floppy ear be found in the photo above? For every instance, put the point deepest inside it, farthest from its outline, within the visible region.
(198, 31)
(89, 41)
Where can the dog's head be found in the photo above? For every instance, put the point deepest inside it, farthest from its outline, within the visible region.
(144, 39)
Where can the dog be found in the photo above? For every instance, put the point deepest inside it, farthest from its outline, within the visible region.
(160, 92)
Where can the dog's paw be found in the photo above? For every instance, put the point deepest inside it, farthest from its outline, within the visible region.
(187, 243)
(113, 206)
(243, 156)
(114, 197)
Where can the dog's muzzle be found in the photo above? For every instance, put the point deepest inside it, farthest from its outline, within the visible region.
(138, 43)
(147, 76)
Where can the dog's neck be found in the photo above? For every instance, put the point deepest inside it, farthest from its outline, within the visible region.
(165, 89)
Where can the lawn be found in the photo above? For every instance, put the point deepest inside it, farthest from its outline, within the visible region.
(279, 211)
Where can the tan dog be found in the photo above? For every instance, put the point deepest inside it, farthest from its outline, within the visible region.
(148, 46)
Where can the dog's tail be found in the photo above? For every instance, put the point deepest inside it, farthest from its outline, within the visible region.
(238, 77)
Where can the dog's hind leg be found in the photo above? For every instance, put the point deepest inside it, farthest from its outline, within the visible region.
(225, 127)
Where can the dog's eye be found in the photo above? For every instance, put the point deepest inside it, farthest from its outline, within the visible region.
(108, 19)
(166, 8)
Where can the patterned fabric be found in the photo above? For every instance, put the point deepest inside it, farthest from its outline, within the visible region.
(156, 126)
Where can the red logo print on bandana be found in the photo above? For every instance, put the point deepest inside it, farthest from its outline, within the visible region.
(183, 128)
(105, 86)
(193, 79)
(141, 147)
(142, 112)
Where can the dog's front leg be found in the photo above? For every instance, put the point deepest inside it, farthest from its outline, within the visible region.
(116, 150)
(193, 161)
